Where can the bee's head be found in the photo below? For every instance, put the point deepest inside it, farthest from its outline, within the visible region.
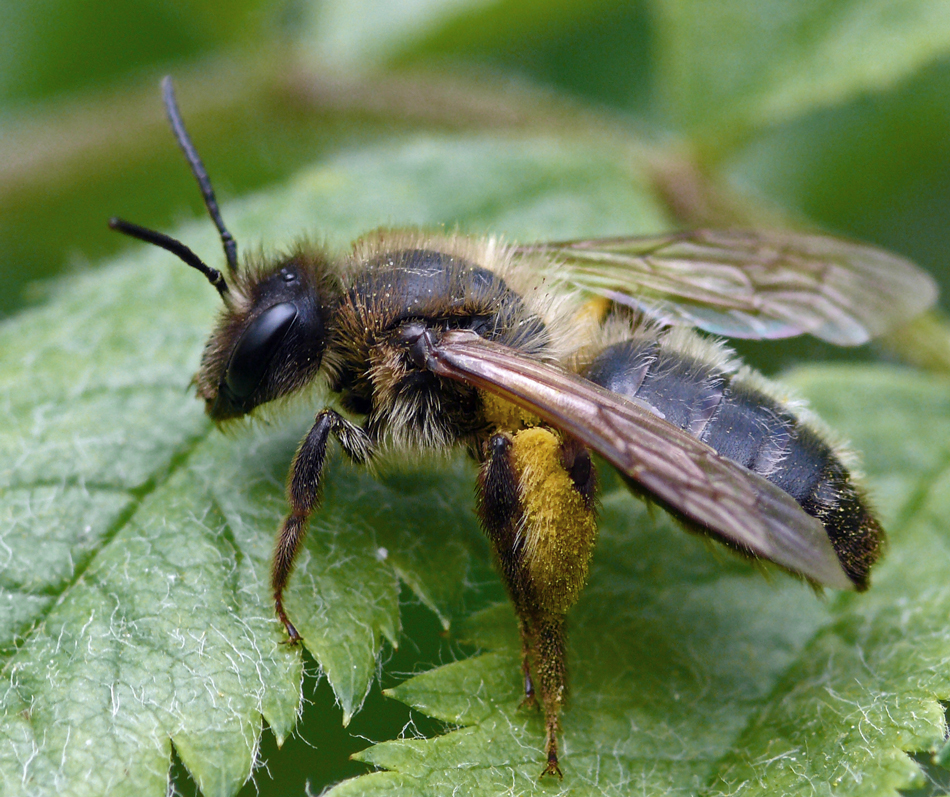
(270, 339)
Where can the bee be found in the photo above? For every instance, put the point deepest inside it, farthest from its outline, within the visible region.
(533, 357)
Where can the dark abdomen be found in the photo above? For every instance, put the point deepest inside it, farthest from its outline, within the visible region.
(738, 419)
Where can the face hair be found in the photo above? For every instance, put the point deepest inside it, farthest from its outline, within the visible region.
(199, 171)
(176, 247)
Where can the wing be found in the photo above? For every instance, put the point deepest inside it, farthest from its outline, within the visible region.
(751, 284)
(678, 469)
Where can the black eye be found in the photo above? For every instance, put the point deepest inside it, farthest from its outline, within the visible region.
(288, 276)
(256, 347)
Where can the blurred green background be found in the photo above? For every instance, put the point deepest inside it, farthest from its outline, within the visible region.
(269, 86)
(742, 115)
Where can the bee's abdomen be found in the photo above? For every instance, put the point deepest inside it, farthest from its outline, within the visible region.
(743, 423)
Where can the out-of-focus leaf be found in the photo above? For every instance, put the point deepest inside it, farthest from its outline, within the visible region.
(728, 69)
(367, 33)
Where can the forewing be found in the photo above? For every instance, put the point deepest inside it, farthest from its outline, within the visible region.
(751, 284)
(678, 469)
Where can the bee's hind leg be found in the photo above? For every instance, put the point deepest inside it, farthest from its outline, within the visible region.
(536, 505)
(499, 507)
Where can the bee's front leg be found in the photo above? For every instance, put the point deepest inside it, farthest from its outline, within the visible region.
(304, 491)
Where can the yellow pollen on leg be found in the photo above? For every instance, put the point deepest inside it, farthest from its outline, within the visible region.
(559, 528)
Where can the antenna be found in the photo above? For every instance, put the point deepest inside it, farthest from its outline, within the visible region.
(177, 248)
(204, 183)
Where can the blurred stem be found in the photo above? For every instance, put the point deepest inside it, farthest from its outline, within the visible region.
(924, 342)
(109, 129)
(106, 130)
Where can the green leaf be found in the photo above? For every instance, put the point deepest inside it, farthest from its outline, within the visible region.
(365, 34)
(136, 539)
(693, 674)
(552, 40)
(732, 68)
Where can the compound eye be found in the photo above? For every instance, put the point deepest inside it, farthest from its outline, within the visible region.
(256, 347)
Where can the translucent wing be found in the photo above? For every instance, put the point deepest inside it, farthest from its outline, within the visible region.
(751, 284)
(680, 471)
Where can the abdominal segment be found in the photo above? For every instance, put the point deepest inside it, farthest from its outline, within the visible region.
(734, 411)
